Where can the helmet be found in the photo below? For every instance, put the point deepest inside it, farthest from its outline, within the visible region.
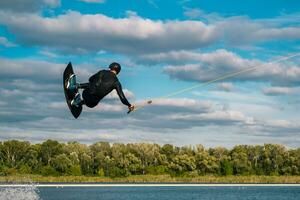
(115, 66)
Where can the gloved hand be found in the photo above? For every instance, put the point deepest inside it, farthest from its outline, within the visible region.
(130, 109)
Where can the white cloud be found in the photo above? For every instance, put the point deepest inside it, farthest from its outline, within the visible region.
(242, 30)
(82, 33)
(109, 107)
(273, 91)
(220, 62)
(183, 102)
(52, 3)
(217, 117)
(98, 32)
(2, 103)
(35, 69)
(164, 107)
(114, 95)
(219, 56)
(48, 54)
(37, 84)
(165, 121)
(46, 101)
(4, 41)
(182, 114)
(57, 105)
(279, 123)
(279, 128)
(27, 5)
(225, 86)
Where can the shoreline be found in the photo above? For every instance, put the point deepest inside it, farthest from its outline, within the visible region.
(62, 185)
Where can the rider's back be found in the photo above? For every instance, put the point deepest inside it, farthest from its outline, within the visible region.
(102, 83)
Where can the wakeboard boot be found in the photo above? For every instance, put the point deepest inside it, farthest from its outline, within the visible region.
(71, 84)
(77, 101)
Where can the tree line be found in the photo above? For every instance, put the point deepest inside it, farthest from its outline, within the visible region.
(52, 158)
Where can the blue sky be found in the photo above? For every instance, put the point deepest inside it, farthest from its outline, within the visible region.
(163, 46)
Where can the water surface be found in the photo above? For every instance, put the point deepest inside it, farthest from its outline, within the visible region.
(170, 193)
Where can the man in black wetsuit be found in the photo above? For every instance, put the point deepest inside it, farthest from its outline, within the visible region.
(99, 85)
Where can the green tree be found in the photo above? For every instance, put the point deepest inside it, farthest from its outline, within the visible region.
(182, 163)
(273, 158)
(149, 154)
(241, 164)
(14, 153)
(206, 163)
(50, 149)
(255, 157)
(99, 151)
(61, 163)
(226, 168)
(48, 171)
(135, 164)
(86, 163)
(74, 170)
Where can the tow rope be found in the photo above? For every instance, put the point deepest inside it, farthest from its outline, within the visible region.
(223, 77)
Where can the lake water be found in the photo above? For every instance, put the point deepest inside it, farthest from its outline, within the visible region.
(149, 193)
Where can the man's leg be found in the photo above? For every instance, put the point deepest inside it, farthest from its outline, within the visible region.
(82, 85)
(89, 99)
(72, 85)
(78, 100)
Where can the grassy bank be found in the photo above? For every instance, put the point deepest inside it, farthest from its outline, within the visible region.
(152, 179)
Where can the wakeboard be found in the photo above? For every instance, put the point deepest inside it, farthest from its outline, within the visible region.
(75, 110)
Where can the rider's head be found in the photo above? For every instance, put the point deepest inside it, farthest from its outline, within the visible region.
(115, 67)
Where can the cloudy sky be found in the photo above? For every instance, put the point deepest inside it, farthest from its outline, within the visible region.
(163, 46)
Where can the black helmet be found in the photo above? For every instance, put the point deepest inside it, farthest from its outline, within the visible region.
(115, 66)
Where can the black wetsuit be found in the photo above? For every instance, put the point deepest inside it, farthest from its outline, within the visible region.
(99, 85)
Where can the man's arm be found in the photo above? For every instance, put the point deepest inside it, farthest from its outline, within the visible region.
(121, 94)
